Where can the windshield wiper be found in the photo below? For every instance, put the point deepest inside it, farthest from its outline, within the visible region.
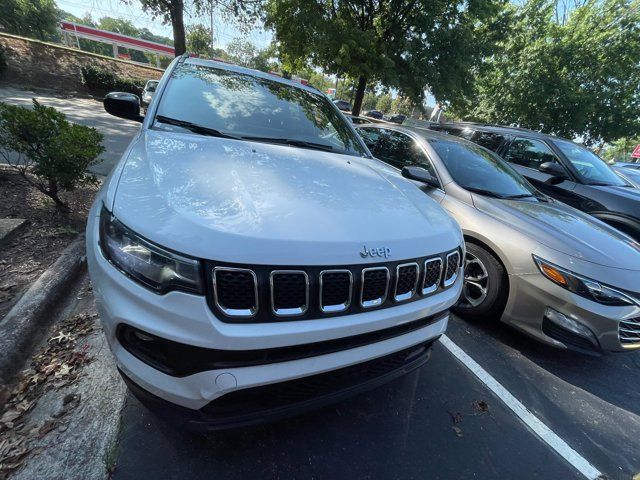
(195, 128)
(293, 142)
(482, 191)
(521, 195)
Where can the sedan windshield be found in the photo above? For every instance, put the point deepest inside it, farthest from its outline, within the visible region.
(478, 170)
(591, 168)
(248, 107)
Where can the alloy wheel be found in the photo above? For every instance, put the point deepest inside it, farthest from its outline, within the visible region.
(476, 282)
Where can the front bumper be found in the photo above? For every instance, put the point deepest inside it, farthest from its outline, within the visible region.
(187, 319)
(531, 294)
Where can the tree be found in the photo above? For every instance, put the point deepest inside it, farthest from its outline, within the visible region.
(384, 103)
(30, 18)
(404, 44)
(573, 79)
(171, 12)
(51, 153)
(199, 39)
(620, 150)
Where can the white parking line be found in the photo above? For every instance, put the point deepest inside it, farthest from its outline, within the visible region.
(534, 423)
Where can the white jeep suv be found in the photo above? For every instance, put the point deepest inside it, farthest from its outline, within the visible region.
(248, 258)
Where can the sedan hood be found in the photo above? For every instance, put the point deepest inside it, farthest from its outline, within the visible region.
(258, 203)
(566, 230)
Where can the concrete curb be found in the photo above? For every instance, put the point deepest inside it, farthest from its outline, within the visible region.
(25, 324)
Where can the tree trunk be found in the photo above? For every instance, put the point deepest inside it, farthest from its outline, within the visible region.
(357, 103)
(52, 192)
(177, 22)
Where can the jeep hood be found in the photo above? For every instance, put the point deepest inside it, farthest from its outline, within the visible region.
(258, 203)
(566, 230)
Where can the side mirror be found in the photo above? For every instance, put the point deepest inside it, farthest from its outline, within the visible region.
(123, 105)
(420, 174)
(558, 175)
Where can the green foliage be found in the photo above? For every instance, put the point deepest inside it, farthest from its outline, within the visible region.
(407, 45)
(620, 150)
(30, 18)
(3, 60)
(51, 153)
(580, 78)
(384, 103)
(101, 81)
(199, 39)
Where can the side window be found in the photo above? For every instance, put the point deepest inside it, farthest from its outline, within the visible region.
(488, 140)
(400, 150)
(529, 153)
(370, 136)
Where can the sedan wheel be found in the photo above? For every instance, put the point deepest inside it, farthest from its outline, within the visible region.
(476, 282)
(486, 285)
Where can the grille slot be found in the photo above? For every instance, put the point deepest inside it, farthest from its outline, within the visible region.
(375, 285)
(289, 292)
(453, 264)
(235, 291)
(406, 281)
(432, 274)
(629, 332)
(336, 287)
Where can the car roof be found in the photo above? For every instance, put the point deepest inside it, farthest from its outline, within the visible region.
(504, 129)
(425, 133)
(249, 71)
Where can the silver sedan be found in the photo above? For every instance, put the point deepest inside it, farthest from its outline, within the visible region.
(554, 273)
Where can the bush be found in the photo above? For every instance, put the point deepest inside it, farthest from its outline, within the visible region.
(51, 153)
(3, 60)
(102, 81)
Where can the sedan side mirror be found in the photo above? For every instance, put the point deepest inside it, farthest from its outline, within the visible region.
(420, 174)
(556, 171)
(123, 105)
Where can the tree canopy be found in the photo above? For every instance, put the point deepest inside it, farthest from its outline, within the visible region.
(29, 18)
(580, 78)
(406, 44)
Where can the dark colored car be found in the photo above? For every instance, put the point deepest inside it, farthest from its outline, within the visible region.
(395, 118)
(358, 120)
(377, 114)
(562, 169)
(343, 105)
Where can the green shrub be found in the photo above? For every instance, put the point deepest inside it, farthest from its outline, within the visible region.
(51, 153)
(3, 60)
(102, 81)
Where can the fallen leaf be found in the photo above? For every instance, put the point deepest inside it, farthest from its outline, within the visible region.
(458, 431)
(481, 406)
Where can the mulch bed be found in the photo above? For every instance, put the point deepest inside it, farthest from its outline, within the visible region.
(34, 248)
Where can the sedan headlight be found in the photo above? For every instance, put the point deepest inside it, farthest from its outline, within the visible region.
(151, 265)
(584, 287)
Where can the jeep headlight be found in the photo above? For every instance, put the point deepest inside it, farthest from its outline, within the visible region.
(585, 287)
(151, 265)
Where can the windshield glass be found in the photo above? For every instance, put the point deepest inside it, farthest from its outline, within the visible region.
(475, 168)
(245, 106)
(590, 167)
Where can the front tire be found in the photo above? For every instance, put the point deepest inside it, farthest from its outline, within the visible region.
(485, 289)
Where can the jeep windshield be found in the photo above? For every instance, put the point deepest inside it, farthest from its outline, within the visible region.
(478, 170)
(205, 100)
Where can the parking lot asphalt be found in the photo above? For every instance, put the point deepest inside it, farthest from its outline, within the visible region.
(426, 425)
(85, 111)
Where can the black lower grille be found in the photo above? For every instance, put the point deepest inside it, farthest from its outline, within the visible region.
(570, 339)
(629, 331)
(290, 291)
(375, 283)
(310, 388)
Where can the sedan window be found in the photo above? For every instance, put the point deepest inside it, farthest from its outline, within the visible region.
(479, 170)
(400, 150)
(489, 140)
(530, 153)
(590, 167)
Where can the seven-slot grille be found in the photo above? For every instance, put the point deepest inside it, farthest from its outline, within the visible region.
(267, 294)
(629, 331)
(453, 264)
